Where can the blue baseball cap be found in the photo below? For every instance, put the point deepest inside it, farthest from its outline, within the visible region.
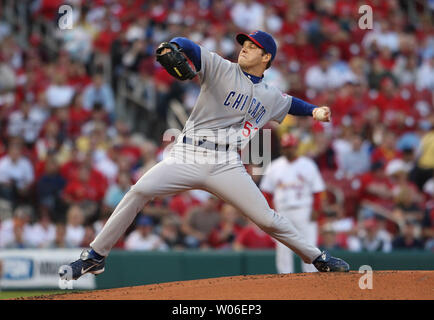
(262, 39)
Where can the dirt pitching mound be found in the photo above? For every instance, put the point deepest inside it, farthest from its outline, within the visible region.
(311, 286)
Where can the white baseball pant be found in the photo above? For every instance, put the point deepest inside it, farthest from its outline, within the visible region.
(230, 182)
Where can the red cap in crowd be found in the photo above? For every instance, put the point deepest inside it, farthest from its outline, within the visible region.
(288, 140)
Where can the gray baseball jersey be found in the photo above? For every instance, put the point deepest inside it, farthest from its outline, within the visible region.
(230, 101)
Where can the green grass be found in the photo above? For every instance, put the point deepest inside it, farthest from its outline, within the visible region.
(19, 294)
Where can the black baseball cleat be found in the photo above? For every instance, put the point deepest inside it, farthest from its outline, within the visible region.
(326, 263)
(87, 263)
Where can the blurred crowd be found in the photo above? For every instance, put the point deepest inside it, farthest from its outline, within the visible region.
(66, 159)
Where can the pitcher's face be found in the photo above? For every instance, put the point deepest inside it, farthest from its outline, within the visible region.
(250, 55)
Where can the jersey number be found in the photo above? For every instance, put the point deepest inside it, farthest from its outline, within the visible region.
(246, 130)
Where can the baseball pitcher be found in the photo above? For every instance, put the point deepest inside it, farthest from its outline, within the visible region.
(235, 101)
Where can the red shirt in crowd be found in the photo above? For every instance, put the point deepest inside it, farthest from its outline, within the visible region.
(181, 203)
(384, 155)
(92, 189)
(77, 117)
(214, 237)
(252, 237)
(369, 179)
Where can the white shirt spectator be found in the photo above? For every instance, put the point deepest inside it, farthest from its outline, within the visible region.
(382, 241)
(425, 76)
(7, 234)
(428, 187)
(74, 235)
(389, 39)
(226, 47)
(248, 16)
(26, 127)
(20, 171)
(320, 79)
(341, 147)
(40, 237)
(93, 94)
(59, 95)
(405, 75)
(108, 168)
(355, 162)
(135, 241)
(7, 77)
(77, 42)
(274, 77)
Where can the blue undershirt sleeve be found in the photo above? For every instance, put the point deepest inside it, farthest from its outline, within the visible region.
(301, 108)
(191, 49)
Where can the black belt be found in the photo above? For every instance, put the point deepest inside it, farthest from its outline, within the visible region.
(206, 144)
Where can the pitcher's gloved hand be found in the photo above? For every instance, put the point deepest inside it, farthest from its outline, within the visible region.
(173, 60)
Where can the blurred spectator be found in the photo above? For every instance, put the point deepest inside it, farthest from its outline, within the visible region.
(26, 123)
(49, 185)
(14, 231)
(143, 237)
(75, 232)
(425, 157)
(428, 225)
(409, 238)
(7, 76)
(425, 75)
(117, 191)
(371, 236)
(224, 234)
(248, 15)
(99, 92)
(386, 150)
(329, 239)
(218, 42)
(50, 140)
(59, 94)
(375, 192)
(77, 116)
(357, 161)
(199, 222)
(322, 76)
(16, 174)
(183, 202)
(60, 237)
(428, 188)
(89, 236)
(86, 190)
(109, 163)
(252, 237)
(405, 70)
(42, 233)
(170, 233)
(137, 52)
(147, 159)
(408, 200)
(98, 119)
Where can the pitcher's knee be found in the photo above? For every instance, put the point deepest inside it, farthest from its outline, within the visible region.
(134, 193)
(265, 221)
(143, 190)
